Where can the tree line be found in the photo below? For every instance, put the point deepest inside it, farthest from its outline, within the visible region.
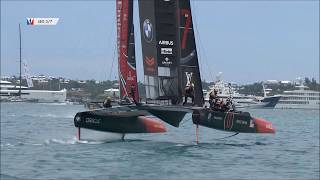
(277, 88)
(93, 90)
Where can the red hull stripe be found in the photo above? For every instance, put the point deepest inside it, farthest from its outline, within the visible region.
(152, 125)
(228, 121)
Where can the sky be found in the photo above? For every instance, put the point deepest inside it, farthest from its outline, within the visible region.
(248, 41)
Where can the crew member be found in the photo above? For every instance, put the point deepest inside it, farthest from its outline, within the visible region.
(107, 103)
(189, 92)
(212, 98)
(216, 104)
(221, 105)
(132, 91)
(229, 105)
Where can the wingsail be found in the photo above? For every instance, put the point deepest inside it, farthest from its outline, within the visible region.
(169, 50)
(188, 64)
(159, 39)
(126, 51)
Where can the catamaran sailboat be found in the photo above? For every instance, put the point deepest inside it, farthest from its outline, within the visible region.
(170, 64)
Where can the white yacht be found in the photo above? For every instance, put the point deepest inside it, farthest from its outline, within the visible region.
(240, 100)
(10, 92)
(299, 99)
(13, 93)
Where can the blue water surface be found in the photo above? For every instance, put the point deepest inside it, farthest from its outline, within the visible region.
(38, 142)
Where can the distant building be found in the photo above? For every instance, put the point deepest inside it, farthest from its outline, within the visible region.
(81, 82)
(65, 81)
(116, 85)
(285, 82)
(114, 93)
(271, 82)
(77, 89)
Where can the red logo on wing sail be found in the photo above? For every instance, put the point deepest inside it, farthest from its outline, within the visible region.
(150, 61)
(187, 15)
(150, 65)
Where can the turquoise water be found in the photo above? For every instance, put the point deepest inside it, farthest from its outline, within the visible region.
(38, 142)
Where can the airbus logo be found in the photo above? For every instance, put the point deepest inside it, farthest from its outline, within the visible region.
(147, 30)
(165, 42)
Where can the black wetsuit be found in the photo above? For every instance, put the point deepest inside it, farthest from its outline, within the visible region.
(132, 91)
(189, 93)
(212, 99)
(107, 104)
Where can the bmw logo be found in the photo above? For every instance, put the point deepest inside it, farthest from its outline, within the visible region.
(147, 30)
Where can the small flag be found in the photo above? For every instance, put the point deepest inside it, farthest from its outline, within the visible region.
(42, 21)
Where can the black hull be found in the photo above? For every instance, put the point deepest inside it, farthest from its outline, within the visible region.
(118, 120)
(240, 122)
(271, 101)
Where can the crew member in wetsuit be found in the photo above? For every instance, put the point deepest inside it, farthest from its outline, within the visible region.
(212, 98)
(229, 105)
(189, 92)
(221, 106)
(107, 103)
(132, 91)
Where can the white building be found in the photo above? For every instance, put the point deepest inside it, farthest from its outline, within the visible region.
(114, 93)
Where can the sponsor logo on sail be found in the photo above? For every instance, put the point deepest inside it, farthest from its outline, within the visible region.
(130, 77)
(150, 64)
(166, 42)
(189, 77)
(147, 30)
(166, 61)
(166, 50)
(150, 61)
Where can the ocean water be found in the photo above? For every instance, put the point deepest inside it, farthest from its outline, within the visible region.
(38, 142)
